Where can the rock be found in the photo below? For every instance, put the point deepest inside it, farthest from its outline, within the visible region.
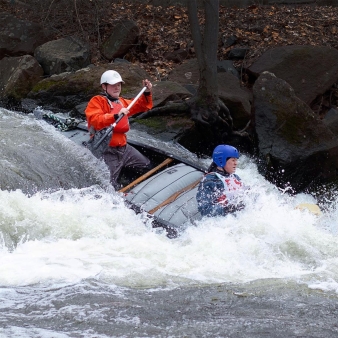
(331, 120)
(188, 71)
(167, 91)
(18, 75)
(79, 110)
(67, 90)
(62, 55)
(227, 42)
(124, 35)
(295, 145)
(177, 56)
(310, 70)
(228, 67)
(235, 98)
(28, 105)
(237, 53)
(19, 37)
(185, 73)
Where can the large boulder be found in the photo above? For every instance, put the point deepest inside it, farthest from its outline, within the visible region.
(310, 70)
(124, 36)
(298, 149)
(18, 75)
(67, 90)
(63, 55)
(165, 92)
(235, 98)
(186, 73)
(19, 37)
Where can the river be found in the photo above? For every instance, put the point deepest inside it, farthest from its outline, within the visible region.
(75, 262)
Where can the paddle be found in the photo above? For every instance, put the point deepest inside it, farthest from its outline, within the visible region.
(111, 128)
(313, 208)
(146, 175)
(174, 196)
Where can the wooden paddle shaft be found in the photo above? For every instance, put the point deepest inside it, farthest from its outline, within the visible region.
(146, 175)
(174, 196)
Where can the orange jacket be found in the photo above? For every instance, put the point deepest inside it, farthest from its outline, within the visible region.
(100, 114)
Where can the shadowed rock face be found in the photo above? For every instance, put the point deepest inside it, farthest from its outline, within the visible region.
(19, 37)
(18, 76)
(309, 70)
(297, 147)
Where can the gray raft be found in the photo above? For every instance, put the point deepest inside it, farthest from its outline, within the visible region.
(168, 195)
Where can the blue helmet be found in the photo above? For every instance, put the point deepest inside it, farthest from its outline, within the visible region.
(222, 153)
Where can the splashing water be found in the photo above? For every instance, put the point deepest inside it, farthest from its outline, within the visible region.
(67, 235)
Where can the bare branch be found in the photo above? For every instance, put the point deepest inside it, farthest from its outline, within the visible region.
(48, 12)
(77, 16)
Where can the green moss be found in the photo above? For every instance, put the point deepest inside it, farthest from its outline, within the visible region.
(152, 122)
(45, 85)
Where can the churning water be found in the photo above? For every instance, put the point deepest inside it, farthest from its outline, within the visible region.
(75, 262)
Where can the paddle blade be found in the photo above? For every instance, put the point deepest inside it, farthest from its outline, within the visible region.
(313, 208)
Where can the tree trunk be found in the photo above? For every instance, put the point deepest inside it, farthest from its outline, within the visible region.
(206, 45)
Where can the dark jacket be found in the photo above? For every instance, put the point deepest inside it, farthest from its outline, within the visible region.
(211, 195)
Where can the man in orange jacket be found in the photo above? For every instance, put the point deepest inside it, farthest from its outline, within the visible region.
(103, 110)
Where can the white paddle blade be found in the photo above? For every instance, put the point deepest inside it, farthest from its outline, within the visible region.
(313, 208)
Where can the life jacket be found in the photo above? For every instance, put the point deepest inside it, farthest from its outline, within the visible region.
(123, 126)
(101, 112)
(231, 184)
(118, 138)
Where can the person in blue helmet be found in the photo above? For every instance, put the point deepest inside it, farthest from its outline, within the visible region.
(220, 190)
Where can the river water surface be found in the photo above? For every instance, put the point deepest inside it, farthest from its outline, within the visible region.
(75, 262)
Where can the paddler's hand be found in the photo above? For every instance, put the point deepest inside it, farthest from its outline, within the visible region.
(124, 111)
(147, 83)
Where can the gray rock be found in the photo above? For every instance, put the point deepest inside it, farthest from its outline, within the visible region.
(229, 90)
(185, 73)
(228, 67)
(310, 70)
(235, 98)
(331, 120)
(66, 90)
(18, 75)
(296, 146)
(123, 36)
(63, 55)
(167, 91)
(238, 53)
(19, 37)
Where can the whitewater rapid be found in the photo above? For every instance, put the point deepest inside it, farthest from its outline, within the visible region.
(61, 235)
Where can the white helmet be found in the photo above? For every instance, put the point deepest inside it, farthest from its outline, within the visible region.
(111, 77)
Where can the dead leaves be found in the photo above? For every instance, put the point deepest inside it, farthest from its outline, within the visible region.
(164, 31)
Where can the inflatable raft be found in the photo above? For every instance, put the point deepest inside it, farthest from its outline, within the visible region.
(167, 193)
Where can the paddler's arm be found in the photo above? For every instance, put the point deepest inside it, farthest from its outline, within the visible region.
(208, 193)
(98, 113)
(144, 103)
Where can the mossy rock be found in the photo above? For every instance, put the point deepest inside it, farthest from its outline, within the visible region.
(85, 83)
(164, 127)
